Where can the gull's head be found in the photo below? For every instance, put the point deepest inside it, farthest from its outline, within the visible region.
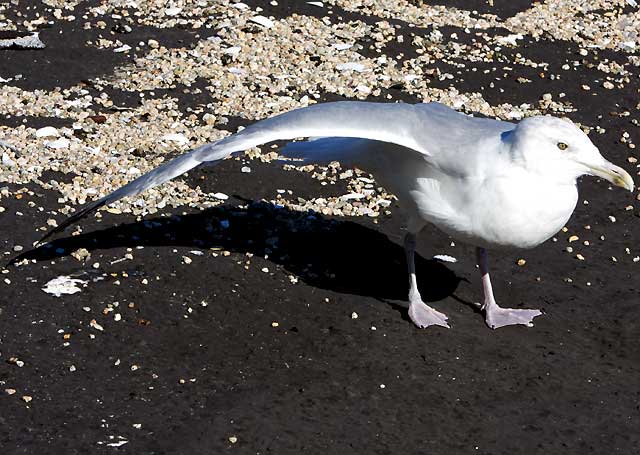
(560, 150)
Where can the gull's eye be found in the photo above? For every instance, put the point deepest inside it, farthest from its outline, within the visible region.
(562, 146)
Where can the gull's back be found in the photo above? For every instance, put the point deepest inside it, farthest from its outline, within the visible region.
(442, 136)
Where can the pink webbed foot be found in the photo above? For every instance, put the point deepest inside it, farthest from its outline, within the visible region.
(497, 317)
(424, 316)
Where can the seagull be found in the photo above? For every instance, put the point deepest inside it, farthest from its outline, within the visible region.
(490, 183)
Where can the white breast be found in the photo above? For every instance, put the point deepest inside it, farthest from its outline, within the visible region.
(519, 211)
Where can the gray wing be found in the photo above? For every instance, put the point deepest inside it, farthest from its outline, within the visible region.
(422, 128)
(459, 144)
(443, 127)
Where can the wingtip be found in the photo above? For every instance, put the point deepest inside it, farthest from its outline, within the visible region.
(70, 220)
(43, 239)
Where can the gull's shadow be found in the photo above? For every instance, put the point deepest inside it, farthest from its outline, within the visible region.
(342, 256)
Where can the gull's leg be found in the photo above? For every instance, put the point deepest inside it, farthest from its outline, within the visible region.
(496, 316)
(420, 313)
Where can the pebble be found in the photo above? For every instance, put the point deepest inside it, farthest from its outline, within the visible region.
(209, 119)
(93, 323)
(47, 131)
(264, 21)
(173, 11)
(178, 138)
(60, 143)
(122, 49)
(81, 254)
(7, 161)
(351, 66)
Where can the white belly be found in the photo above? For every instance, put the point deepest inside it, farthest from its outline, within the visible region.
(519, 211)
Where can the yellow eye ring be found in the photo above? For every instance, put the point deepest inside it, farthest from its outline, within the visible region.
(562, 146)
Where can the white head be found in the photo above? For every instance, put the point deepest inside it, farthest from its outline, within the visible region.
(559, 149)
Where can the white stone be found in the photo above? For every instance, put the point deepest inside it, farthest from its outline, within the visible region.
(264, 21)
(350, 196)
(342, 46)
(173, 11)
(60, 143)
(235, 50)
(178, 138)
(123, 48)
(7, 161)
(47, 131)
(351, 66)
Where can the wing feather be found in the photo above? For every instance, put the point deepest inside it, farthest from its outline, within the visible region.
(418, 127)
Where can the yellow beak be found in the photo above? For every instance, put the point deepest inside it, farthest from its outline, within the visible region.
(614, 174)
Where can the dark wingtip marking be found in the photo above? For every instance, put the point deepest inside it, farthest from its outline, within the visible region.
(72, 219)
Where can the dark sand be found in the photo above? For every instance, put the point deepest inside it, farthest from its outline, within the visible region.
(314, 384)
